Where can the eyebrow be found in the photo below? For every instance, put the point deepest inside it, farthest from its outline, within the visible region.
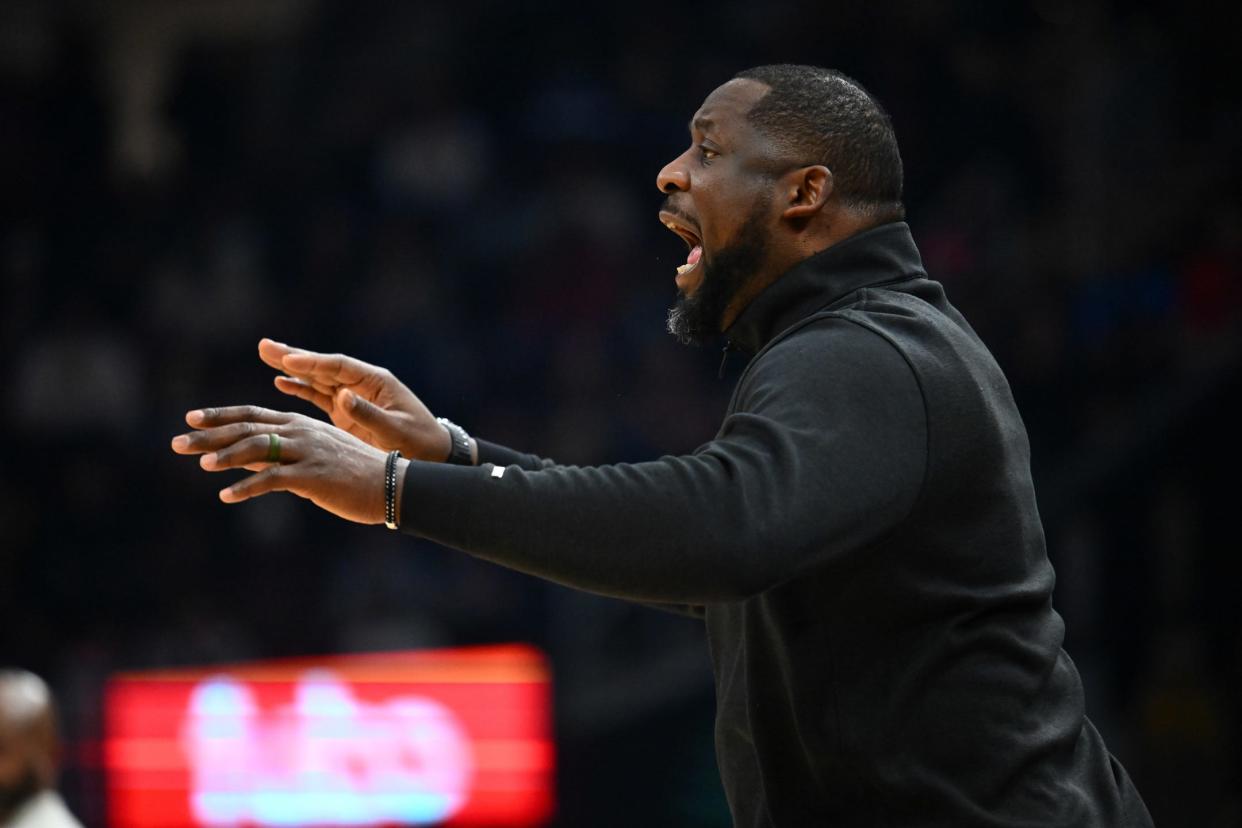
(701, 123)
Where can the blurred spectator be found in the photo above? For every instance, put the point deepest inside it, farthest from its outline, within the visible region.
(29, 755)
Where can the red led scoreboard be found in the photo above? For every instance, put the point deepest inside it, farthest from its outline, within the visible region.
(456, 737)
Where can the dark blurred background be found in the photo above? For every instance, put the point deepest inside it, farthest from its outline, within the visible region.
(464, 192)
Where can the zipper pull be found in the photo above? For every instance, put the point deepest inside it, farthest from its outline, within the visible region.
(724, 358)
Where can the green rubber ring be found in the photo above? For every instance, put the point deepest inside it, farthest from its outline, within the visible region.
(273, 448)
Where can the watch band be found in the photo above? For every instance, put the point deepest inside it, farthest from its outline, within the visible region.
(459, 455)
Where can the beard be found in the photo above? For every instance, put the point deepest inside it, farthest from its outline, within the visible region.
(696, 318)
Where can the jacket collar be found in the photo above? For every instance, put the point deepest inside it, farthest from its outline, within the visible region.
(885, 253)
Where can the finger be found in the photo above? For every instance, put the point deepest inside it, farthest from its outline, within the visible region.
(271, 479)
(210, 417)
(325, 402)
(304, 390)
(211, 439)
(272, 352)
(326, 388)
(250, 451)
(336, 369)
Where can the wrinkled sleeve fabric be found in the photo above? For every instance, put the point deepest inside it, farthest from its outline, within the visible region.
(824, 452)
(498, 455)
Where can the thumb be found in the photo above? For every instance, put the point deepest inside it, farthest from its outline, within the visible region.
(383, 423)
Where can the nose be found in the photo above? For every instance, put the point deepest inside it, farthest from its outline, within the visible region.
(673, 177)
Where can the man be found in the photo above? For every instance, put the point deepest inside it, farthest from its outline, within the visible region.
(861, 536)
(28, 748)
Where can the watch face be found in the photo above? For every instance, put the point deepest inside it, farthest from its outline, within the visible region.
(459, 452)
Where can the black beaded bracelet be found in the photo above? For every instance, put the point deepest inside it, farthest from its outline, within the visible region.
(390, 490)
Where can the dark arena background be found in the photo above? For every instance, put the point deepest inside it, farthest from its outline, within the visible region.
(463, 192)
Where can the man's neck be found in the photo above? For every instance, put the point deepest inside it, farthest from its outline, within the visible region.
(810, 242)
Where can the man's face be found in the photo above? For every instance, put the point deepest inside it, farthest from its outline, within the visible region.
(720, 202)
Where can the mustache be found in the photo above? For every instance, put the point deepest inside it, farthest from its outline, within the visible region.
(669, 207)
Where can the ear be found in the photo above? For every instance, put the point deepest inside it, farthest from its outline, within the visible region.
(807, 190)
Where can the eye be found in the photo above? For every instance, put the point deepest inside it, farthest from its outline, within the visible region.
(707, 154)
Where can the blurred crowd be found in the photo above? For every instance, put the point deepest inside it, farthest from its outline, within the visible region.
(464, 193)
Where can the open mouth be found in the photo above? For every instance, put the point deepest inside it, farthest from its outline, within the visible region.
(689, 235)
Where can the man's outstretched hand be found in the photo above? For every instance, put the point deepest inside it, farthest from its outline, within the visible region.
(365, 400)
(310, 458)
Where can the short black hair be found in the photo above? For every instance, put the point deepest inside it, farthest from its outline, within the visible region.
(822, 116)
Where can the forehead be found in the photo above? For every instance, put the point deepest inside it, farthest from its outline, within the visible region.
(726, 107)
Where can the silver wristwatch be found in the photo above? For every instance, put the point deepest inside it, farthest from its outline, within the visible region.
(459, 455)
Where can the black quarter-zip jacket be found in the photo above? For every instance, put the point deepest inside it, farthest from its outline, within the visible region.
(862, 540)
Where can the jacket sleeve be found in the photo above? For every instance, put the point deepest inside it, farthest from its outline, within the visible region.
(499, 455)
(496, 454)
(825, 452)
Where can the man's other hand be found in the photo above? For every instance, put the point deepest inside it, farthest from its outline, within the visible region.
(363, 399)
(308, 457)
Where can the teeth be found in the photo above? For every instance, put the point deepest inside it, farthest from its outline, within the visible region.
(683, 268)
